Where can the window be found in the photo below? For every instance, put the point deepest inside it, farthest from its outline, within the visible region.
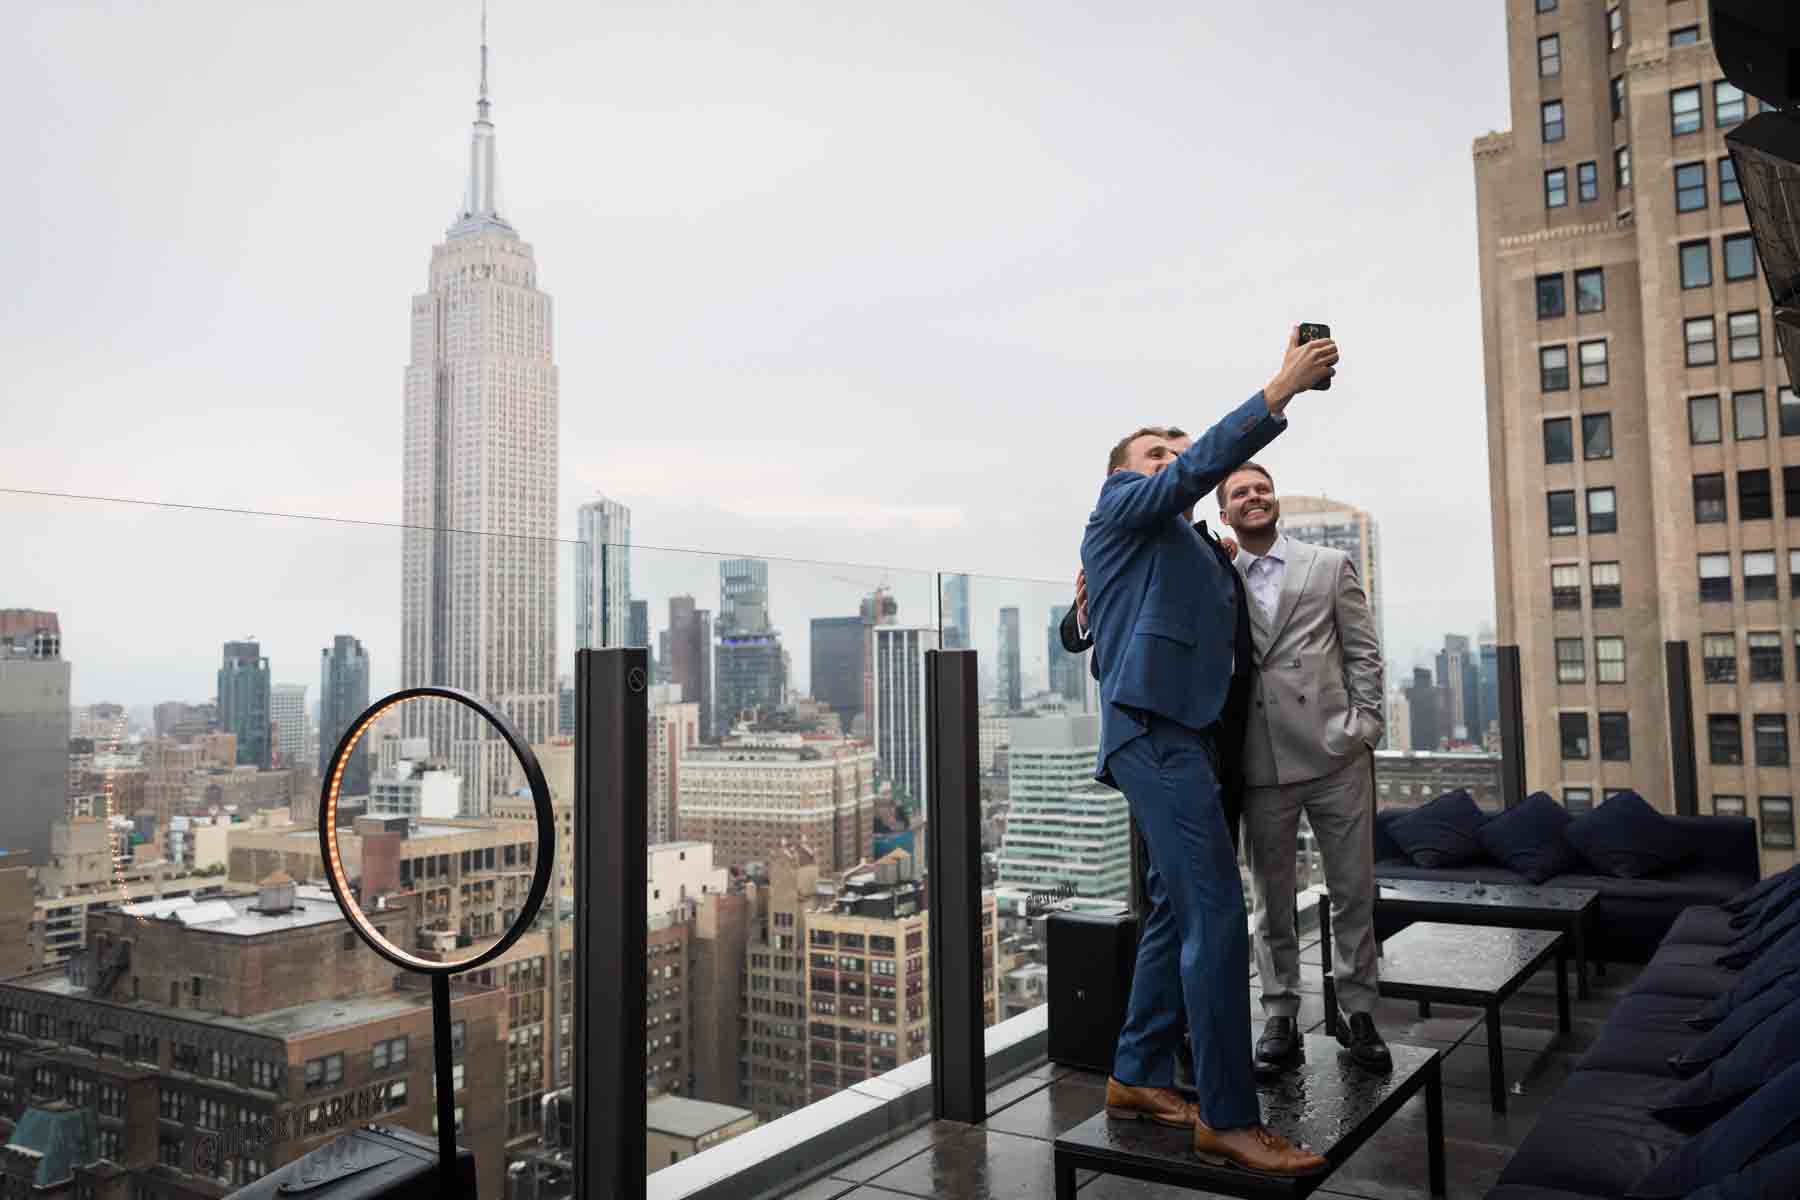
(1696, 264)
(1590, 290)
(1550, 302)
(1603, 577)
(1728, 104)
(1615, 737)
(1545, 6)
(1578, 800)
(1754, 501)
(1687, 35)
(1765, 657)
(324, 1072)
(1702, 348)
(1556, 187)
(1571, 661)
(1771, 739)
(1553, 368)
(1718, 657)
(1725, 739)
(1745, 329)
(1740, 257)
(1559, 440)
(1728, 806)
(1684, 111)
(1749, 417)
(388, 1054)
(1790, 421)
(168, 1149)
(168, 1104)
(1622, 167)
(1593, 364)
(1703, 420)
(1602, 510)
(1587, 182)
(1618, 97)
(1794, 575)
(1574, 730)
(1596, 436)
(1715, 577)
(1709, 499)
(1759, 575)
(1562, 513)
(1729, 192)
(1609, 659)
(1565, 586)
(1690, 187)
(1549, 56)
(1552, 117)
(1777, 822)
(1615, 27)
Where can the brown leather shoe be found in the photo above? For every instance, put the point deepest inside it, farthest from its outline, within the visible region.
(1255, 1148)
(1162, 1105)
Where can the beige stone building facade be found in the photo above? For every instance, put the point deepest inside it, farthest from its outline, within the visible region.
(1644, 447)
(751, 795)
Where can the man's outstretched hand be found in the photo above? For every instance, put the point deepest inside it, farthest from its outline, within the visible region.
(1303, 367)
(1081, 599)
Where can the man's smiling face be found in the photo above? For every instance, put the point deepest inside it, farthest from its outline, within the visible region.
(1250, 504)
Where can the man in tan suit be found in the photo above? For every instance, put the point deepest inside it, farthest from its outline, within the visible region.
(1315, 717)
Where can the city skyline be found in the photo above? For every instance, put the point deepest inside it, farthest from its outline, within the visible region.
(626, 330)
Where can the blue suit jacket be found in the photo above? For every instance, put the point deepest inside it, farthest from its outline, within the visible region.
(1162, 609)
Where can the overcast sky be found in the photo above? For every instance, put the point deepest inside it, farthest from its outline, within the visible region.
(855, 282)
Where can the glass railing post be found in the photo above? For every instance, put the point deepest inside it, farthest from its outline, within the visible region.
(611, 751)
(1512, 728)
(953, 840)
(1682, 763)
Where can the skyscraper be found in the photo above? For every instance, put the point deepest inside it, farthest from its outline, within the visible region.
(897, 716)
(603, 592)
(955, 619)
(1068, 672)
(750, 673)
(1456, 680)
(690, 657)
(1490, 686)
(287, 712)
(637, 627)
(837, 652)
(1321, 521)
(343, 696)
(478, 609)
(1425, 705)
(34, 730)
(244, 702)
(743, 582)
(1064, 827)
(1011, 684)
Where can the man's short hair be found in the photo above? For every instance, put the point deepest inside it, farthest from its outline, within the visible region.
(1116, 459)
(1248, 466)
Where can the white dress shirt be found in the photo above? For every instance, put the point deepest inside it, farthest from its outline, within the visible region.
(1263, 574)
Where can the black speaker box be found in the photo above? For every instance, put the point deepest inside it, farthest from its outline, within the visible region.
(1091, 958)
(366, 1163)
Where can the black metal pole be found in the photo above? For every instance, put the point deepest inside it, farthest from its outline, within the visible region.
(953, 821)
(1682, 763)
(1512, 728)
(612, 716)
(446, 1084)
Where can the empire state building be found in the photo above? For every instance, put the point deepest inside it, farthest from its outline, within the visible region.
(478, 603)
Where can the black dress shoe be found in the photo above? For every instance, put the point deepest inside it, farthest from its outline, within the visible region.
(1279, 1042)
(1357, 1033)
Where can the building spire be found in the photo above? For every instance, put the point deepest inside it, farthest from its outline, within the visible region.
(481, 203)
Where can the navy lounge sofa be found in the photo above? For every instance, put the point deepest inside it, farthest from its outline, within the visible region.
(1693, 1087)
(1633, 914)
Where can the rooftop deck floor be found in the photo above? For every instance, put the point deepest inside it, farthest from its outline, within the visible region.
(1008, 1157)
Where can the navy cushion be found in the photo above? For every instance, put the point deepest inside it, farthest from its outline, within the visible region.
(1594, 1137)
(1703, 925)
(1756, 895)
(1775, 963)
(1773, 1177)
(1529, 839)
(1441, 833)
(1730, 1031)
(1772, 1045)
(1385, 846)
(1628, 838)
(1751, 945)
(1764, 1124)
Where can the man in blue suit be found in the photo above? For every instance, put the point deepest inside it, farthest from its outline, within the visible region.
(1163, 612)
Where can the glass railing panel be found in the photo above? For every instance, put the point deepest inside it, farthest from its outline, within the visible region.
(183, 1000)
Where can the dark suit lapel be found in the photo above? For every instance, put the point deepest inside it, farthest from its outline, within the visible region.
(1293, 582)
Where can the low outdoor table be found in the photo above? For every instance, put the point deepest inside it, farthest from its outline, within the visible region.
(1326, 1102)
(1477, 967)
(1509, 905)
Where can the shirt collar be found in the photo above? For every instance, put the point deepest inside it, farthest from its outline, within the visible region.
(1277, 553)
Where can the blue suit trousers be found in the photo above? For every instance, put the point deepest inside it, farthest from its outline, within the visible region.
(1194, 949)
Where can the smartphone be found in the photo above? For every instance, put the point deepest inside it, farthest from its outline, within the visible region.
(1311, 331)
